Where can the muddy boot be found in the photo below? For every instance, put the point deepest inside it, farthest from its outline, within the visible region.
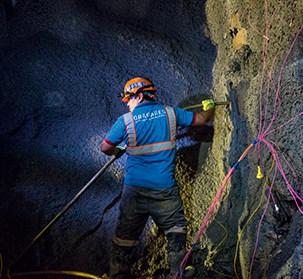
(176, 251)
(120, 262)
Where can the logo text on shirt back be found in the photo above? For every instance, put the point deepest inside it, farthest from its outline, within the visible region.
(149, 115)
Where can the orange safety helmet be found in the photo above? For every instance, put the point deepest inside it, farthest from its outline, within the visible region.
(135, 86)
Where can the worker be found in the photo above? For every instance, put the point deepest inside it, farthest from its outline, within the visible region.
(150, 189)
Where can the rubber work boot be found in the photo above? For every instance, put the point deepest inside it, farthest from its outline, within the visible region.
(120, 262)
(176, 251)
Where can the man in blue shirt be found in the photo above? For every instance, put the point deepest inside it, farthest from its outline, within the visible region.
(149, 132)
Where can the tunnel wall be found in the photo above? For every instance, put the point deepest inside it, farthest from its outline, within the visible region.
(62, 65)
(260, 242)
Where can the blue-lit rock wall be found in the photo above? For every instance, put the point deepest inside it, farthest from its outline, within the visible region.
(62, 64)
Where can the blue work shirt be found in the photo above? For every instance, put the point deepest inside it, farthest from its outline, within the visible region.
(153, 170)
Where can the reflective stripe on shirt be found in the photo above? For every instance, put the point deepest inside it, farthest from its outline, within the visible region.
(134, 149)
(130, 127)
(172, 122)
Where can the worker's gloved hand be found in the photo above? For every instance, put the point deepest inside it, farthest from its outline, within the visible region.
(208, 104)
(119, 151)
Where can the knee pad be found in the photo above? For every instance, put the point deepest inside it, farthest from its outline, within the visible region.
(125, 242)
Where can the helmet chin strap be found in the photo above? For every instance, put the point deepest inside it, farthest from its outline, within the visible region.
(149, 95)
(140, 90)
(143, 87)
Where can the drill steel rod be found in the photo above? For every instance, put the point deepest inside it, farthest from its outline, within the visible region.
(101, 171)
(217, 104)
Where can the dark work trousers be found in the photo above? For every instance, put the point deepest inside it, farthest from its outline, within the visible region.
(137, 204)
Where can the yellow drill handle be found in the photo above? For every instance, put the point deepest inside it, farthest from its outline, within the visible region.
(217, 104)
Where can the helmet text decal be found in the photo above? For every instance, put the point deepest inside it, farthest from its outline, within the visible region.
(134, 85)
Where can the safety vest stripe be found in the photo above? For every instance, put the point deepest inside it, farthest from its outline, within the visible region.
(151, 148)
(169, 124)
(172, 122)
(125, 242)
(133, 149)
(130, 127)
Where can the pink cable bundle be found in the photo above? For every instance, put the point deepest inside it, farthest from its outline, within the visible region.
(270, 144)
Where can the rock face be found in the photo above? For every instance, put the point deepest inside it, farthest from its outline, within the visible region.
(62, 65)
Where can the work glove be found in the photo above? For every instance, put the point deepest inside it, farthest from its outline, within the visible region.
(119, 151)
(208, 104)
